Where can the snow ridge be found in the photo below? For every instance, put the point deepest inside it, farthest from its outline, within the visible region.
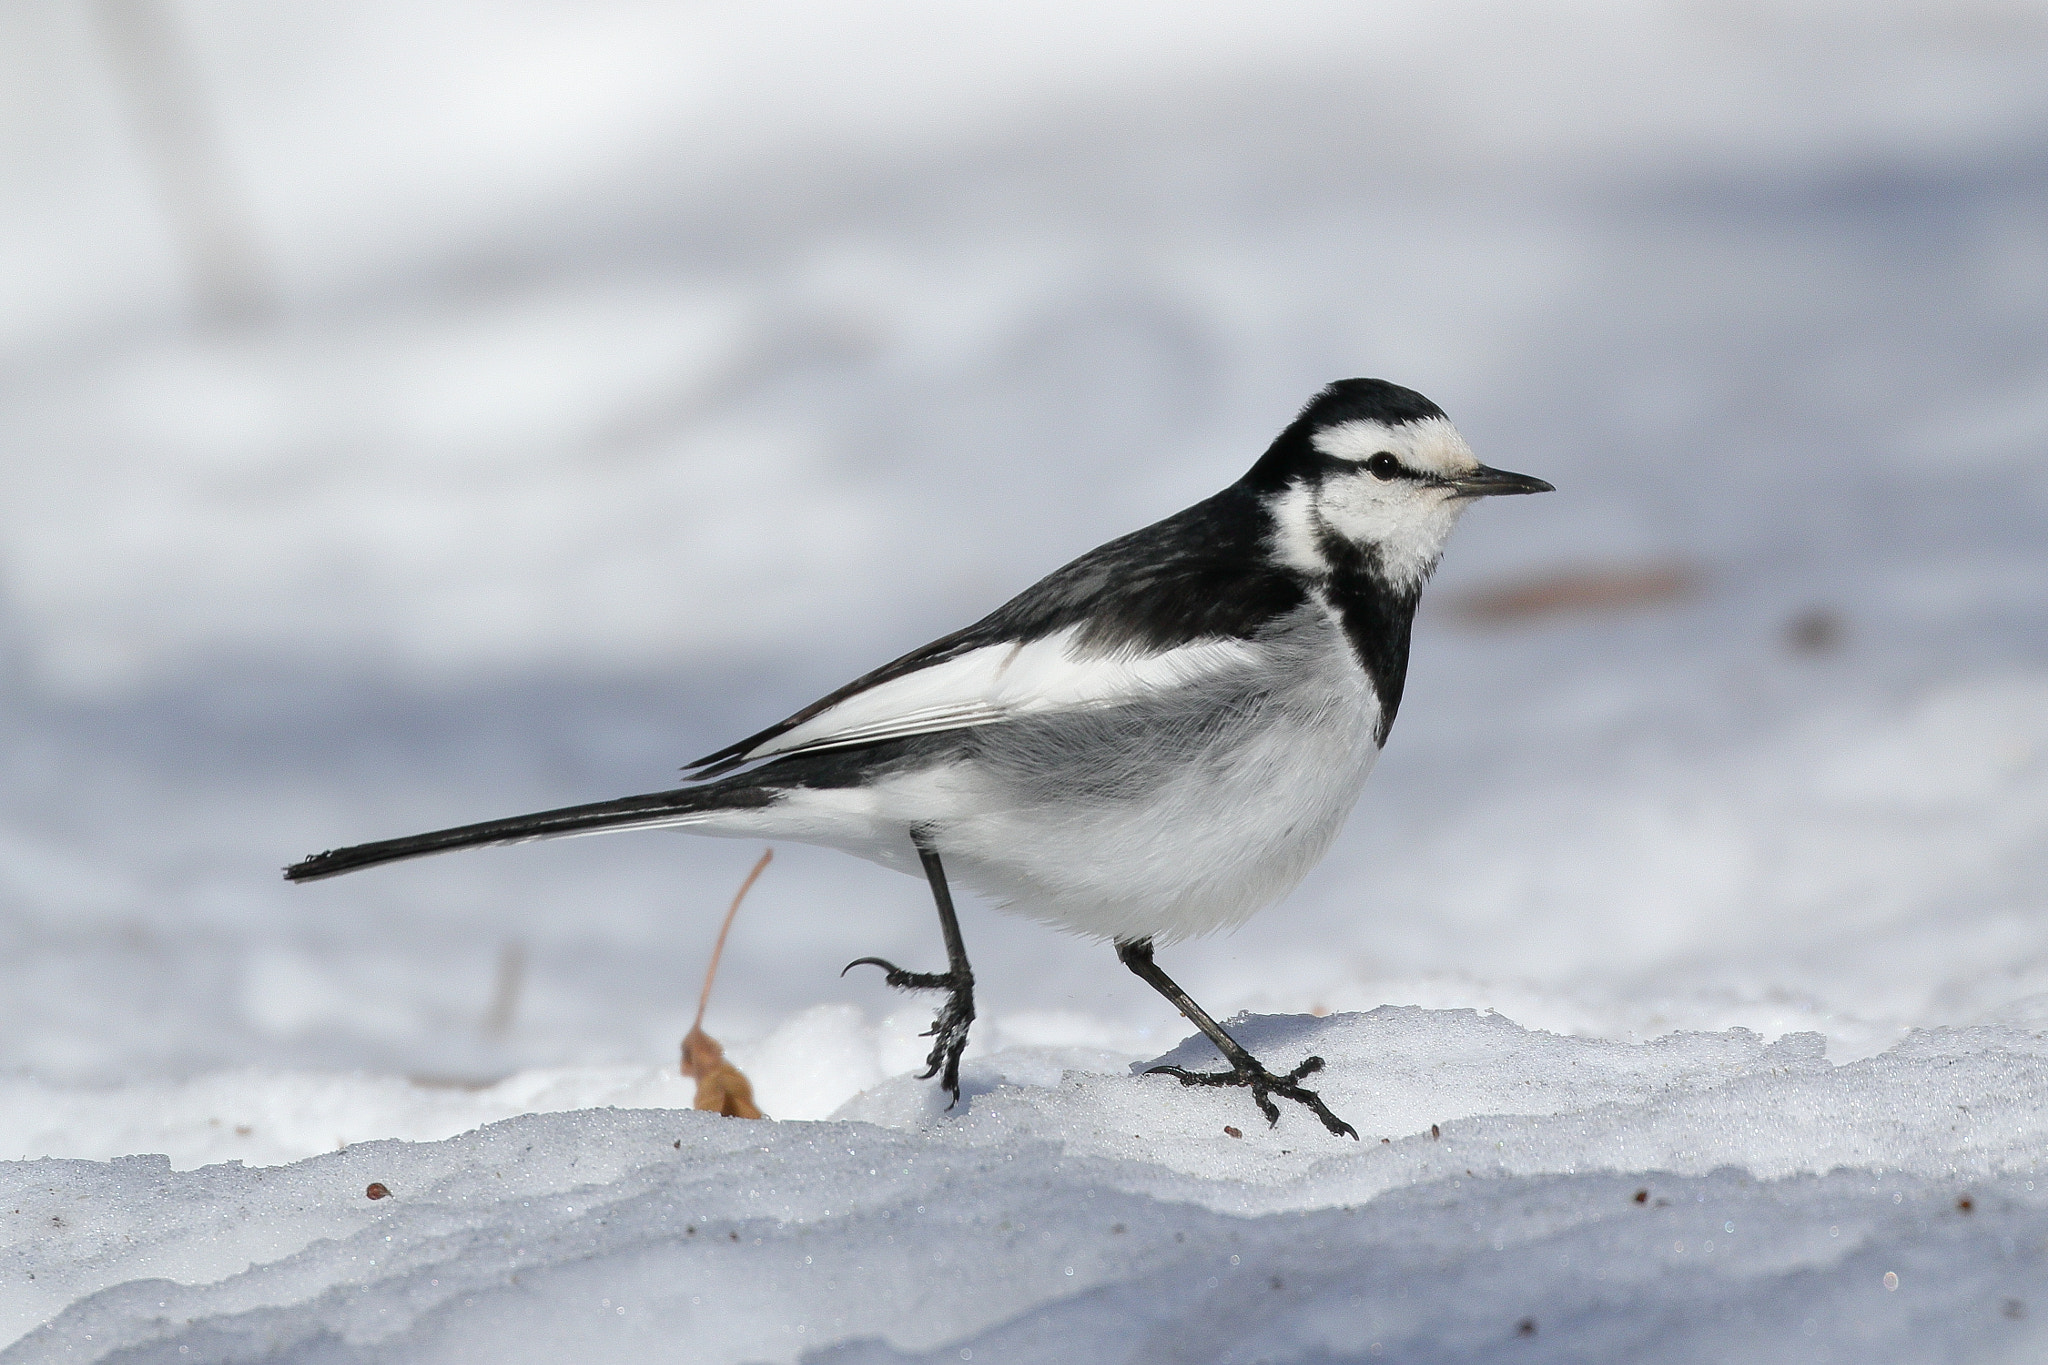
(1576, 1198)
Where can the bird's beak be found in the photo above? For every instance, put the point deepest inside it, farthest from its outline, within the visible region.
(1487, 483)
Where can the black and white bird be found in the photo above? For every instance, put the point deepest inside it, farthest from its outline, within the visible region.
(1148, 744)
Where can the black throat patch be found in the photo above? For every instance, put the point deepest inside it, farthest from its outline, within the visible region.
(1377, 619)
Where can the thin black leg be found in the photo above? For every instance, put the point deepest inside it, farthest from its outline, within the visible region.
(1246, 1070)
(949, 1030)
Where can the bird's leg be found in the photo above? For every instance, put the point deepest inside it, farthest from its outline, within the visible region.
(949, 1030)
(1246, 1069)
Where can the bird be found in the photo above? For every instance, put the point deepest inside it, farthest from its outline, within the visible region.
(1147, 745)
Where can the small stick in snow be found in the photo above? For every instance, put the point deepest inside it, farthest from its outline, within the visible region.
(505, 995)
(721, 1087)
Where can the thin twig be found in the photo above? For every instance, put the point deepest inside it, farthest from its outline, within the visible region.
(505, 997)
(718, 949)
(182, 151)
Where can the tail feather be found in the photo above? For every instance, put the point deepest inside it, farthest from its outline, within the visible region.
(628, 812)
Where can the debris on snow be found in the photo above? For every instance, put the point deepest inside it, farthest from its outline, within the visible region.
(721, 1087)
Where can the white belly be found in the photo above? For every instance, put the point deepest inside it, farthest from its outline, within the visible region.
(1204, 854)
(1166, 820)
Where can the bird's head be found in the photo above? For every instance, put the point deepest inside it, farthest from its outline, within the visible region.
(1372, 473)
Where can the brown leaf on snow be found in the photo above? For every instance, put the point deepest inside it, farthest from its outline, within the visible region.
(721, 1087)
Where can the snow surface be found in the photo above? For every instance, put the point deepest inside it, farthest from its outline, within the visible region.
(1786, 1209)
(639, 372)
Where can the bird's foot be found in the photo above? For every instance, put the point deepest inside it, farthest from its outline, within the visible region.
(949, 1030)
(1264, 1085)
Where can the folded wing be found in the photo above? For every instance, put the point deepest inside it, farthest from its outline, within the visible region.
(985, 685)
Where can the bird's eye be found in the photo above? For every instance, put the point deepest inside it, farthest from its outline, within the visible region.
(1384, 466)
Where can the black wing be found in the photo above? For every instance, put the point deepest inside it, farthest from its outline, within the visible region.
(1201, 574)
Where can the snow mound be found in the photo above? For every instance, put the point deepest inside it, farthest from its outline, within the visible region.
(1575, 1198)
(811, 1065)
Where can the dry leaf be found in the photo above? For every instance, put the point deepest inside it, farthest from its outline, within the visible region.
(1617, 588)
(721, 1087)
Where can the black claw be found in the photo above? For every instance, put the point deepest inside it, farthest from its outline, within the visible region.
(1264, 1085)
(949, 1030)
(900, 979)
(949, 1040)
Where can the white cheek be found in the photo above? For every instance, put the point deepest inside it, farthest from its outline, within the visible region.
(1406, 524)
(1296, 530)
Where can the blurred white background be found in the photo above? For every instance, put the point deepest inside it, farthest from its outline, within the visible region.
(417, 413)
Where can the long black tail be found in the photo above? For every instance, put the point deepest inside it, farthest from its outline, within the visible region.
(628, 812)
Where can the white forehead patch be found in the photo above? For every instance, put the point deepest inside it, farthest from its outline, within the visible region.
(1431, 445)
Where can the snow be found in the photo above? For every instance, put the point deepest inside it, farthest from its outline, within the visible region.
(638, 373)
(1693, 1197)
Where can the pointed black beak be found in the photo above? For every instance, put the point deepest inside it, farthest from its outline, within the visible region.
(1489, 483)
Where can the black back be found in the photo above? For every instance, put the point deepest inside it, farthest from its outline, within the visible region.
(1201, 574)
